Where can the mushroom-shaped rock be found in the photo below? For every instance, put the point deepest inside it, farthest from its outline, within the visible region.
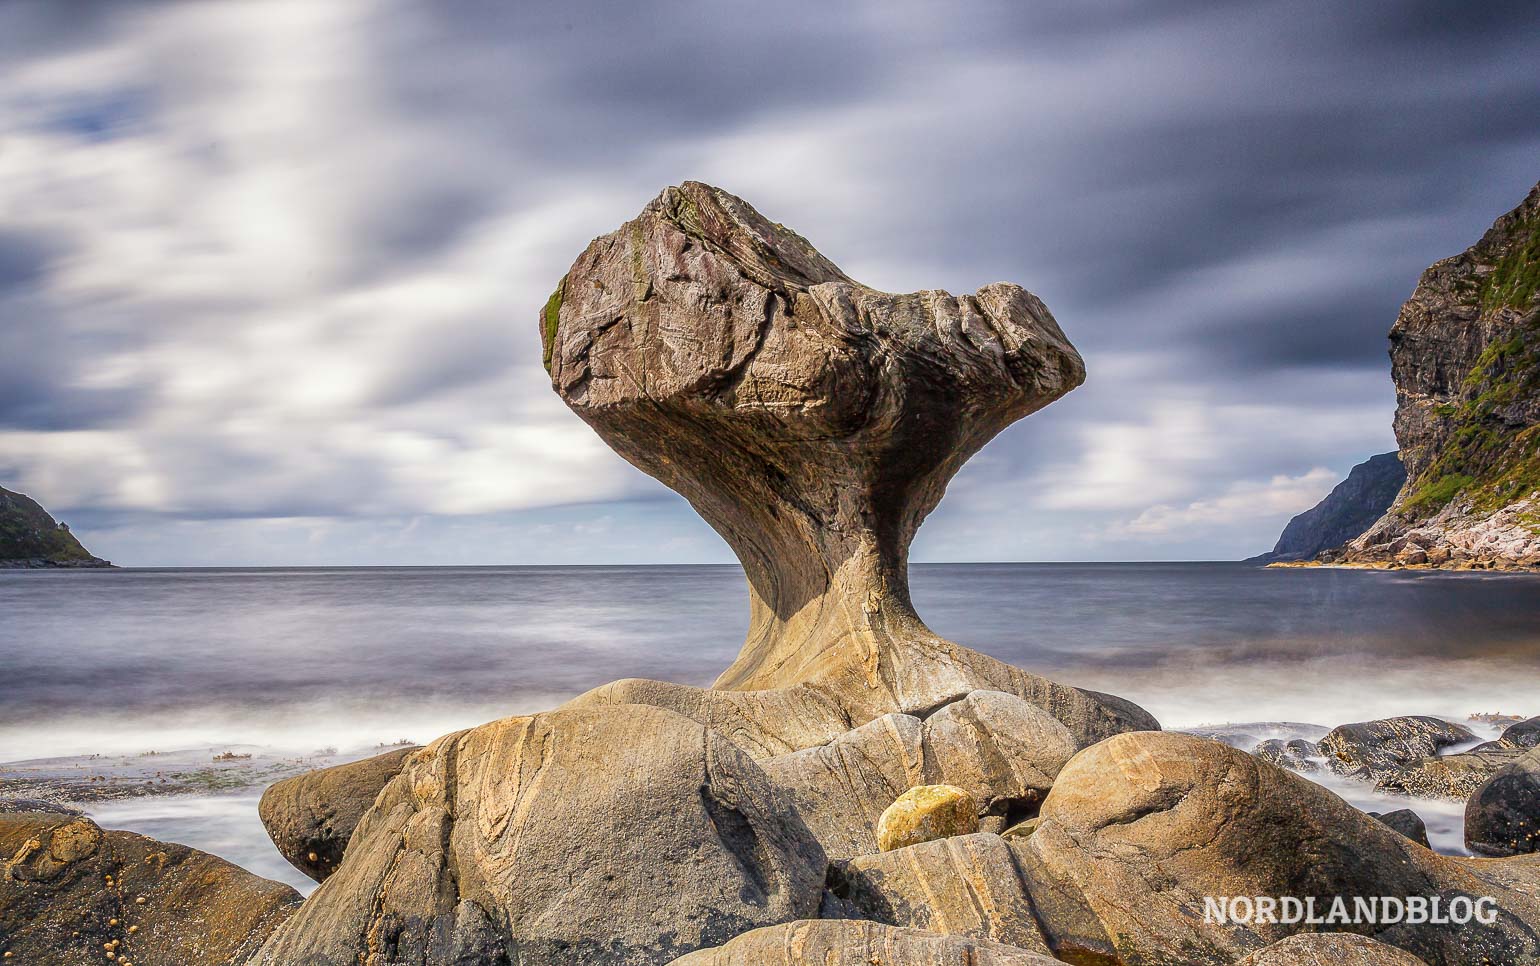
(814, 422)
(1141, 828)
(1330, 949)
(925, 813)
(310, 817)
(968, 885)
(71, 890)
(1502, 816)
(600, 835)
(847, 942)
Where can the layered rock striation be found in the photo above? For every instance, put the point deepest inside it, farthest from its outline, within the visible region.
(1465, 358)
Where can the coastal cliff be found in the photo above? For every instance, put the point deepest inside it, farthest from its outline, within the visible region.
(30, 537)
(1465, 357)
(1346, 512)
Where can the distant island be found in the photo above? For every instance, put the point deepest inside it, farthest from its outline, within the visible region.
(31, 538)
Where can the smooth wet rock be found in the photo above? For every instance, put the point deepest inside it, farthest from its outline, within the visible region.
(1295, 755)
(1502, 817)
(1407, 822)
(68, 889)
(1330, 949)
(968, 885)
(813, 422)
(1141, 827)
(1377, 749)
(926, 813)
(310, 817)
(844, 942)
(600, 836)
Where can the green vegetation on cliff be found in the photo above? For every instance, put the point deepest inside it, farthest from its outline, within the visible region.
(28, 535)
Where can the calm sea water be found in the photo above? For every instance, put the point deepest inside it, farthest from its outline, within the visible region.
(131, 660)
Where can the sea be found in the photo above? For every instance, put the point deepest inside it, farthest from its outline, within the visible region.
(342, 661)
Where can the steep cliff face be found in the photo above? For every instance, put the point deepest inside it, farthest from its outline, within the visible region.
(1465, 357)
(29, 537)
(1347, 511)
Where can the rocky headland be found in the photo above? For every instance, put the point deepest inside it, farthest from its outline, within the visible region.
(1345, 513)
(31, 538)
(853, 789)
(1465, 358)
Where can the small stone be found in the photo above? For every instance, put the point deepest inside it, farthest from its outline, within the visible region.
(132, 930)
(925, 813)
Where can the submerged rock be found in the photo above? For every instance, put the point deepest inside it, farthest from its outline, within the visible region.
(1502, 817)
(925, 813)
(1407, 822)
(310, 817)
(1382, 748)
(1525, 734)
(1295, 755)
(844, 942)
(626, 835)
(70, 892)
(1141, 827)
(1450, 776)
(813, 422)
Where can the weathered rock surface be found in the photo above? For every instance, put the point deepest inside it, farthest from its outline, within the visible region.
(1407, 822)
(926, 813)
(1450, 776)
(1330, 949)
(69, 890)
(1502, 816)
(844, 942)
(1382, 748)
(1347, 511)
(625, 835)
(30, 537)
(1525, 734)
(1465, 358)
(1139, 828)
(310, 817)
(968, 885)
(813, 422)
(1295, 755)
(1000, 749)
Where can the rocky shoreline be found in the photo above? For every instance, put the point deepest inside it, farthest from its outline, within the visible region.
(853, 789)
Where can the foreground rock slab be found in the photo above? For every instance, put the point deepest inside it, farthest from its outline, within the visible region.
(1140, 828)
(833, 942)
(813, 422)
(968, 885)
(1330, 949)
(310, 817)
(71, 891)
(598, 836)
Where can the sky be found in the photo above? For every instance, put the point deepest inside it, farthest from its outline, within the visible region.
(270, 271)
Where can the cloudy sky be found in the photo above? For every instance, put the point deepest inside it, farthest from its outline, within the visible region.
(269, 271)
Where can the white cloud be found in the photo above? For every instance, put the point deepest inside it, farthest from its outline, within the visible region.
(1243, 501)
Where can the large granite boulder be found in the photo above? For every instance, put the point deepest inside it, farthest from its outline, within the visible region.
(1141, 828)
(836, 942)
(814, 422)
(1330, 949)
(1378, 749)
(1502, 817)
(601, 835)
(968, 885)
(310, 817)
(1524, 734)
(1001, 750)
(70, 892)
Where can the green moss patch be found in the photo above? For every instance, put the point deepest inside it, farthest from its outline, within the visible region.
(550, 317)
